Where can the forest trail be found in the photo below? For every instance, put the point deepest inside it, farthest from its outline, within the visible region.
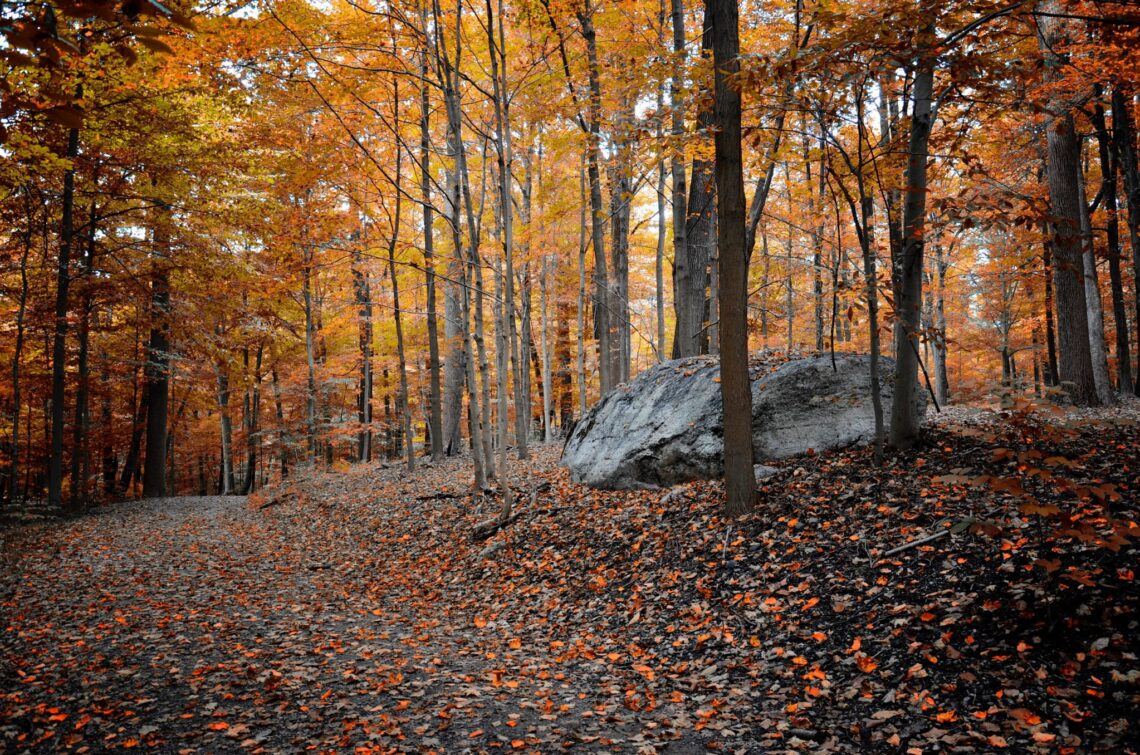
(211, 625)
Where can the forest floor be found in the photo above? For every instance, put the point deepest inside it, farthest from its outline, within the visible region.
(354, 612)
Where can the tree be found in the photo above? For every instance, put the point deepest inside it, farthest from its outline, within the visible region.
(735, 384)
(1064, 155)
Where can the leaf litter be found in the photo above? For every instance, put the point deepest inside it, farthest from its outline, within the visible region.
(358, 615)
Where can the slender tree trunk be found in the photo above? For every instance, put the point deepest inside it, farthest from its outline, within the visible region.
(905, 419)
(815, 212)
(603, 317)
(736, 387)
(690, 297)
(582, 391)
(403, 401)
(59, 341)
(544, 335)
(1124, 138)
(282, 432)
(157, 372)
(435, 417)
(1052, 375)
(765, 281)
(870, 275)
(18, 351)
(475, 273)
(110, 460)
(459, 185)
(363, 290)
(226, 427)
(681, 273)
(1108, 171)
(253, 425)
(130, 464)
(310, 356)
(82, 422)
(941, 378)
(564, 376)
(620, 191)
(1093, 308)
(789, 285)
(502, 351)
(454, 368)
(659, 258)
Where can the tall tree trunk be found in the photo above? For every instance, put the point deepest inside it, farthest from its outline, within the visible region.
(905, 420)
(677, 171)
(226, 427)
(1093, 307)
(435, 421)
(765, 281)
(82, 422)
(282, 433)
(1052, 378)
(659, 258)
(310, 355)
(789, 286)
(157, 370)
(544, 335)
(735, 384)
(871, 277)
(459, 186)
(403, 402)
(815, 212)
(1108, 171)
(130, 464)
(603, 316)
(478, 334)
(1124, 138)
(620, 196)
(59, 340)
(110, 460)
(941, 378)
(691, 284)
(582, 291)
(18, 351)
(363, 290)
(454, 368)
(253, 425)
(1075, 358)
(1064, 156)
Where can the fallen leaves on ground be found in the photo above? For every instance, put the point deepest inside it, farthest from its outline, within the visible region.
(353, 617)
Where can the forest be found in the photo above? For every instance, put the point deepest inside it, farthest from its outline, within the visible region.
(349, 273)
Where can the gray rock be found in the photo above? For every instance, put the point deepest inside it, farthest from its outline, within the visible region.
(763, 471)
(665, 426)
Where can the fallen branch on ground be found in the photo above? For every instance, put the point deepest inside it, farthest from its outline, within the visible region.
(485, 530)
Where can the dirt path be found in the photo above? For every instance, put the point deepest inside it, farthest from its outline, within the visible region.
(209, 625)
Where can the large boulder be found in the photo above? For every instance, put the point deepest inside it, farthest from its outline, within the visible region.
(665, 426)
